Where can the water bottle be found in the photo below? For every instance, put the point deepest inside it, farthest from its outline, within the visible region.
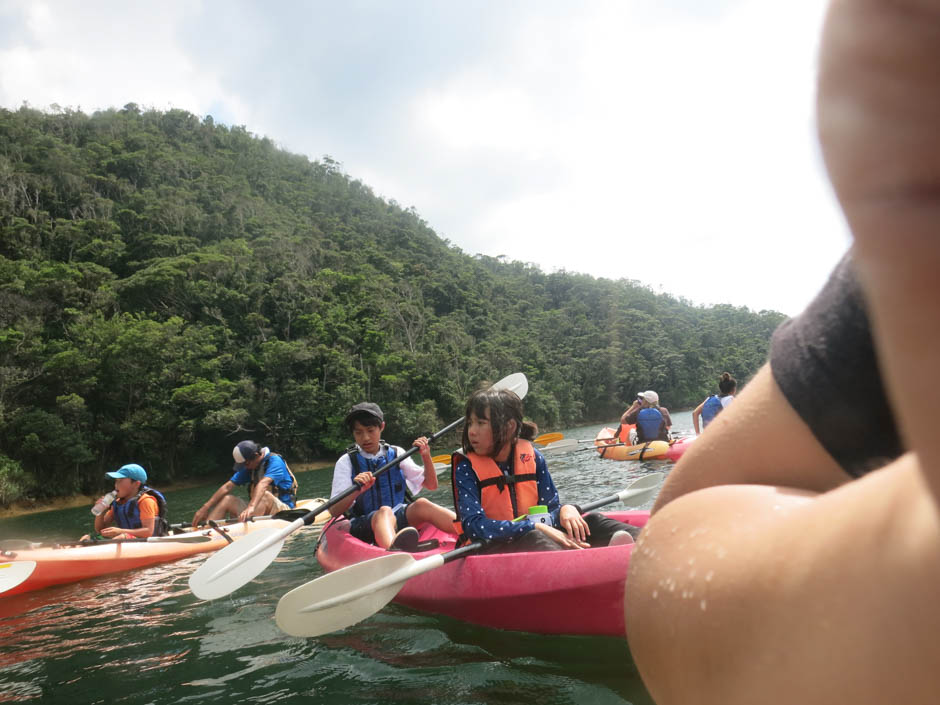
(539, 515)
(103, 503)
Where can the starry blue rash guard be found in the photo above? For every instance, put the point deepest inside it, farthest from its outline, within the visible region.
(275, 468)
(475, 524)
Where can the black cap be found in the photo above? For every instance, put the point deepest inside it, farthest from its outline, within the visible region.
(244, 451)
(366, 407)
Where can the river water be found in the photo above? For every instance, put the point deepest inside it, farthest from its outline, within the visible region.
(142, 637)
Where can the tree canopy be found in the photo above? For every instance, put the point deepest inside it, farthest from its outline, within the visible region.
(171, 286)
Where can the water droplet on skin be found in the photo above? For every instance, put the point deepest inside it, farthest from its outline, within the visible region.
(655, 594)
(691, 561)
(721, 553)
(703, 605)
(709, 576)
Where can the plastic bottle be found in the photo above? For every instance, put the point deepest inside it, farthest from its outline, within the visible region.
(103, 503)
(539, 514)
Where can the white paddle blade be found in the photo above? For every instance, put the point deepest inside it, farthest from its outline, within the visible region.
(235, 565)
(514, 383)
(643, 489)
(343, 598)
(560, 446)
(13, 574)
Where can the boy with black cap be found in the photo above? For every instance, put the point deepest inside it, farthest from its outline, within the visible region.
(272, 486)
(382, 513)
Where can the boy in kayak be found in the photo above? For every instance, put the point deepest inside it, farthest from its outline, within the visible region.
(138, 511)
(501, 475)
(383, 511)
(272, 487)
(841, 437)
(652, 420)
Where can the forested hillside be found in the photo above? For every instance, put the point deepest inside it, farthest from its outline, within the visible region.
(171, 286)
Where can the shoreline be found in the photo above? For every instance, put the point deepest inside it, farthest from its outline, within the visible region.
(77, 500)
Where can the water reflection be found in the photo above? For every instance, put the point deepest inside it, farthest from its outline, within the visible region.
(142, 637)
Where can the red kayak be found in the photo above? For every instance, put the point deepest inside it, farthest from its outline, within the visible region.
(548, 592)
(678, 447)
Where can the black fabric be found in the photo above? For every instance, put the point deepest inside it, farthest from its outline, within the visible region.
(601, 527)
(825, 364)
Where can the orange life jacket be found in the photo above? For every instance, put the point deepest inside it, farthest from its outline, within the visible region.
(497, 502)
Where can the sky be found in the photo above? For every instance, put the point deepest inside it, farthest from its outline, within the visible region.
(669, 142)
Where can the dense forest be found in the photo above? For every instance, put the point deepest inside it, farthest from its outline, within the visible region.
(171, 286)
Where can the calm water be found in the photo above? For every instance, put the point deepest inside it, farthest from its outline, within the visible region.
(142, 637)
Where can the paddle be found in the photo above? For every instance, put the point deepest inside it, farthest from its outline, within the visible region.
(23, 545)
(283, 515)
(572, 445)
(547, 438)
(12, 574)
(544, 439)
(349, 595)
(240, 562)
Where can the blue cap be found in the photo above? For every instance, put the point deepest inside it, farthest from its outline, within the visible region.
(131, 470)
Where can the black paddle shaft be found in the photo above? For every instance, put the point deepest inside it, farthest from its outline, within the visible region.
(309, 517)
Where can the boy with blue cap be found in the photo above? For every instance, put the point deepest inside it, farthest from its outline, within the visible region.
(138, 511)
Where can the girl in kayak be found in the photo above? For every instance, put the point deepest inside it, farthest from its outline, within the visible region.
(711, 407)
(501, 475)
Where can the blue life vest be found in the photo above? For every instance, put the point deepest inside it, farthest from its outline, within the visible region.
(710, 409)
(288, 496)
(649, 424)
(127, 515)
(389, 488)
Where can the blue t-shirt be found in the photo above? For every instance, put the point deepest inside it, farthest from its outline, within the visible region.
(276, 469)
(475, 524)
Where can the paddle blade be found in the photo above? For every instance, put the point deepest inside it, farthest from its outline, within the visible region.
(547, 438)
(643, 489)
(236, 564)
(13, 574)
(515, 383)
(561, 446)
(343, 598)
(442, 458)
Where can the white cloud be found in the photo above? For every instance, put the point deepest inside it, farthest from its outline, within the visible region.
(639, 139)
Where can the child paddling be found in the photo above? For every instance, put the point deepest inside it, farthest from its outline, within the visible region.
(501, 475)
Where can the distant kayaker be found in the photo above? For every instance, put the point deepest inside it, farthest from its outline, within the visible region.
(841, 435)
(652, 420)
(138, 511)
(500, 476)
(384, 511)
(272, 486)
(713, 405)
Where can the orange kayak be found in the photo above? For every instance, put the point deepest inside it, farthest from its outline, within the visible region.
(47, 565)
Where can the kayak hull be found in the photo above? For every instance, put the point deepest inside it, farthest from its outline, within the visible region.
(654, 450)
(70, 564)
(678, 448)
(548, 592)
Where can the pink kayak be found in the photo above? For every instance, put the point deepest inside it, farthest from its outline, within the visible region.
(678, 447)
(553, 592)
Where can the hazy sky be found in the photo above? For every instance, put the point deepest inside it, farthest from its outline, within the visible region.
(666, 141)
